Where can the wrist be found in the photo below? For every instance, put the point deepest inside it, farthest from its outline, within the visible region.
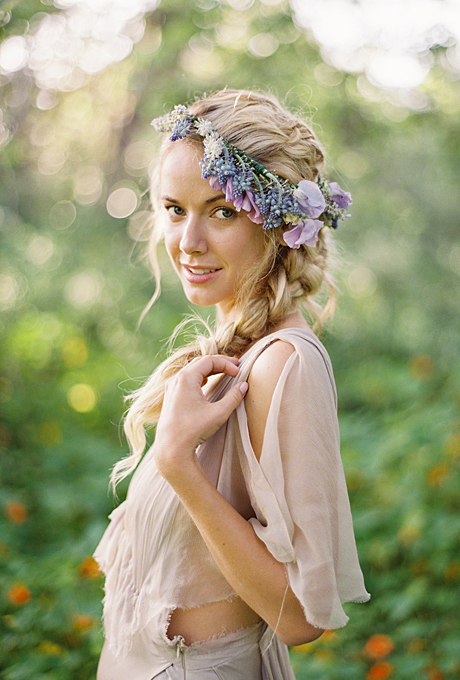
(175, 462)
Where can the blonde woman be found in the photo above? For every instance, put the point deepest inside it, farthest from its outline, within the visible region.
(236, 538)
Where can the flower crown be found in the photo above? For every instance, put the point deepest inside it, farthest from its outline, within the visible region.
(269, 200)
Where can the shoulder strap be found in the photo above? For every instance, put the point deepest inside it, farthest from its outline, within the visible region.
(292, 335)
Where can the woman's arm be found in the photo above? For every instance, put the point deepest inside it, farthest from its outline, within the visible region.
(187, 420)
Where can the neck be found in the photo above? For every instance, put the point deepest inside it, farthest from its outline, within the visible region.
(293, 320)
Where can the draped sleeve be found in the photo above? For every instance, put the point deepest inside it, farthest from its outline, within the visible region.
(298, 489)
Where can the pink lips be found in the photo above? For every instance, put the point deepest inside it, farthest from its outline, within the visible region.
(193, 277)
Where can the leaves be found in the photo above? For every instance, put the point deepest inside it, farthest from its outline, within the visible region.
(73, 285)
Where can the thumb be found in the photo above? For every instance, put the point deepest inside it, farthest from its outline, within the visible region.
(232, 399)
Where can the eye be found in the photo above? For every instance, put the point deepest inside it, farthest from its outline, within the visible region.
(174, 210)
(224, 213)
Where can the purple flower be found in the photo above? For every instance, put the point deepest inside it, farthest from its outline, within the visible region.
(306, 232)
(249, 204)
(310, 199)
(242, 202)
(245, 201)
(215, 184)
(339, 196)
(228, 190)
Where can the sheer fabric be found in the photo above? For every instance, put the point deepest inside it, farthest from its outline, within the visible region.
(295, 498)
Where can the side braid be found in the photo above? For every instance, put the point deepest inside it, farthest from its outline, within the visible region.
(285, 279)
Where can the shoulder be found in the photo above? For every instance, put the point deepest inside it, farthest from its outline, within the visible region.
(269, 365)
(262, 381)
(271, 360)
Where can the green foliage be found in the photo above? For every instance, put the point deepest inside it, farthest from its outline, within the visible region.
(73, 285)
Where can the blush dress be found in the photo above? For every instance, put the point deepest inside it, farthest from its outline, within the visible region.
(296, 500)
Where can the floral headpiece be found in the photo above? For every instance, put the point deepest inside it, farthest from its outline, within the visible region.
(269, 200)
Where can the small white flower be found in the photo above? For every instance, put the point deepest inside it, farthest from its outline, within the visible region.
(166, 122)
(204, 127)
(213, 146)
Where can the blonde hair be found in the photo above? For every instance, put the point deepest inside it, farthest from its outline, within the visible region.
(281, 281)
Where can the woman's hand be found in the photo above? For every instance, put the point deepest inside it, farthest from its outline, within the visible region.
(187, 417)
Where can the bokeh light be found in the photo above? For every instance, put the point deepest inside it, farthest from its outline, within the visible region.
(82, 398)
(388, 39)
(122, 202)
(84, 289)
(80, 81)
(63, 49)
(62, 214)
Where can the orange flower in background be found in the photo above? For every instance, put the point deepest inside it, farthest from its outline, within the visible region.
(452, 571)
(83, 621)
(380, 670)
(19, 594)
(433, 672)
(328, 635)
(378, 646)
(421, 367)
(15, 512)
(437, 475)
(89, 568)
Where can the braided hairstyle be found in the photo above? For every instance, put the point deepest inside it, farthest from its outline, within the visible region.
(284, 279)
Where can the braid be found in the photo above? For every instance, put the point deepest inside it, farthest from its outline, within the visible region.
(277, 285)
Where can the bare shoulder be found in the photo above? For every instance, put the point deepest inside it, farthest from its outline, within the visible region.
(269, 365)
(262, 381)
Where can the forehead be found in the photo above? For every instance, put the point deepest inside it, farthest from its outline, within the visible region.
(180, 158)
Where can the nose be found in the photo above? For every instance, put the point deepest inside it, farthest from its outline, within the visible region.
(193, 237)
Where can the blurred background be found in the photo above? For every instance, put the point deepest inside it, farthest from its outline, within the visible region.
(80, 81)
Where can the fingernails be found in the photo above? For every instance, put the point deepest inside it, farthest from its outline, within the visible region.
(243, 387)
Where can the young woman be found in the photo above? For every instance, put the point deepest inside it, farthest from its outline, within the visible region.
(236, 537)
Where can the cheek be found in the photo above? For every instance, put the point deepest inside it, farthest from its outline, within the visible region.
(171, 243)
(256, 245)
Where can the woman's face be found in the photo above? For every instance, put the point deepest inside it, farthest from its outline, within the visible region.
(210, 244)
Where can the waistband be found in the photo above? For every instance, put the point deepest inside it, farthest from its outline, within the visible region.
(215, 651)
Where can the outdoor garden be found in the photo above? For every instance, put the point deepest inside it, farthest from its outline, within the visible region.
(80, 81)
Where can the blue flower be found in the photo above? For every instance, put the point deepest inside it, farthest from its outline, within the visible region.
(267, 198)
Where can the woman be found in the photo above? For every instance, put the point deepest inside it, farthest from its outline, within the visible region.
(236, 538)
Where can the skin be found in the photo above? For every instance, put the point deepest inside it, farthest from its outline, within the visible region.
(204, 233)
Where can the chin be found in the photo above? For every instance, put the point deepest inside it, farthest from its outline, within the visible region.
(201, 300)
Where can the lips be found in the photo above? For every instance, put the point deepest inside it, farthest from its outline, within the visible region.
(199, 274)
(195, 270)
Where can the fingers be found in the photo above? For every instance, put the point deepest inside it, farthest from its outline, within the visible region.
(230, 401)
(187, 413)
(212, 365)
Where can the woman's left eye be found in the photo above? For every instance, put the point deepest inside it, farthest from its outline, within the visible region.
(224, 213)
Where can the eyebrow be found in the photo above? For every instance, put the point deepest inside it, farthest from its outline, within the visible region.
(213, 199)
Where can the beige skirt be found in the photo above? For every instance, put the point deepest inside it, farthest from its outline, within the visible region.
(253, 653)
